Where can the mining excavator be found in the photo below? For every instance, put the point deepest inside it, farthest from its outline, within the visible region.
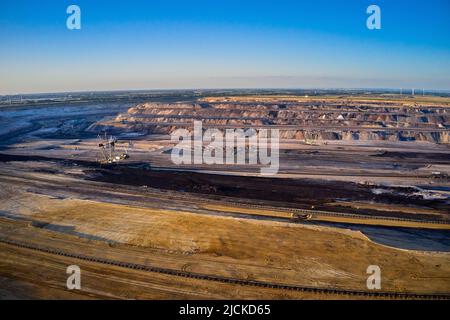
(107, 150)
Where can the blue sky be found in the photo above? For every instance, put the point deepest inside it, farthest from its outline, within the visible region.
(161, 44)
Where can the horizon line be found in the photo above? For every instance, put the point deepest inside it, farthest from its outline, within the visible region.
(405, 90)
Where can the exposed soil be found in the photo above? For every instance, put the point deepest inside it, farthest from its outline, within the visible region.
(297, 193)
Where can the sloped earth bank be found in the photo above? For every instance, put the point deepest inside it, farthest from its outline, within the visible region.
(313, 120)
(297, 193)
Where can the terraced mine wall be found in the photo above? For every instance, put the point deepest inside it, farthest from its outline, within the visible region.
(301, 121)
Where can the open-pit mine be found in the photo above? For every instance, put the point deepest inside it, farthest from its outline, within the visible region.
(363, 180)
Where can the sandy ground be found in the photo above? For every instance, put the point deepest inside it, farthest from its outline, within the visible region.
(52, 203)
